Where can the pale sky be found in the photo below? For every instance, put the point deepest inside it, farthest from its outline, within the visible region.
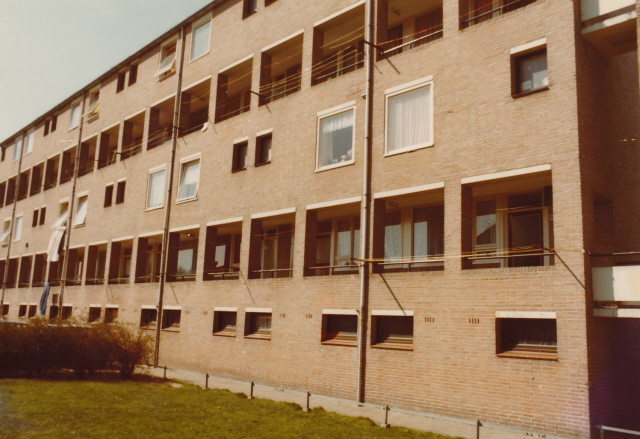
(50, 49)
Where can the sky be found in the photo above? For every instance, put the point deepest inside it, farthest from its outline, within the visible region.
(50, 49)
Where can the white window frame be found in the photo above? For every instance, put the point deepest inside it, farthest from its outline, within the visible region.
(185, 161)
(164, 184)
(194, 27)
(77, 218)
(17, 232)
(18, 149)
(62, 216)
(160, 76)
(6, 230)
(75, 105)
(402, 89)
(31, 135)
(92, 111)
(350, 106)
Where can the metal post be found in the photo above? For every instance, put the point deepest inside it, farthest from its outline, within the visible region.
(11, 228)
(206, 383)
(67, 238)
(167, 211)
(251, 391)
(386, 417)
(306, 409)
(478, 425)
(165, 372)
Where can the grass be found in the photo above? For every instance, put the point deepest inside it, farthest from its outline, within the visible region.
(146, 408)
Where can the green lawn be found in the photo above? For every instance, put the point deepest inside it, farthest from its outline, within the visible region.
(47, 409)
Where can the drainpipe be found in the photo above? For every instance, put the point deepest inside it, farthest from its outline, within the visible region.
(370, 53)
(167, 210)
(11, 227)
(67, 239)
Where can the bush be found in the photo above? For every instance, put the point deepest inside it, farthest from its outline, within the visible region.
(43, 346)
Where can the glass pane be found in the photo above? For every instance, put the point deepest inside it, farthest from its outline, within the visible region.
(201, 37)
(420, 233)
(189, 180)
(392, 236)
(336, 139)
(526, 230)
(156, 189)
(343, 244)
(486, 222)
(185, 261)
(409, 119)
(533, 72)
(323, 250)
(221, 251)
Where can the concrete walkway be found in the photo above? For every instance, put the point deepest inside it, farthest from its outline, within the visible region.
(424, 422)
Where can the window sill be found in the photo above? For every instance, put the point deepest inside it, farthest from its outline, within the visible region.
(199, 56)
(410, 149)
(165, 76)
(336, 165)
(92, 118)
(340, 343)
(257, 165)
(171, 329)
(224, 334)
(258, 336)
(149, 209)
(72, 128)
(529, 355)
(245, 15)
(393, 346)
(235, 171)
(77, 226)
(530, 92)
(186, 200)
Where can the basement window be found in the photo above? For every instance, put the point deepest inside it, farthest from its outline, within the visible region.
(527, 338)
(67, 312)
(167, 62)
(5, 310)
(392, 331)
(171, 319)
(224, 323)
(110, 314)
(529, 72)
(94, 314)
(340, 329)
(258, 325)
(148, 318)
(33, 310)
(22, 311)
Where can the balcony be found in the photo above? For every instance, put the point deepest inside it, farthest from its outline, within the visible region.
(617, 291)
(610, 25)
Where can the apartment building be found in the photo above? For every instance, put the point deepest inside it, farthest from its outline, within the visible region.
(427, 204)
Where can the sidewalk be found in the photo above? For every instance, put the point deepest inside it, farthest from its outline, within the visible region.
(450, 427)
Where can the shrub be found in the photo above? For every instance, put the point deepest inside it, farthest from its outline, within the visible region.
(130, 346)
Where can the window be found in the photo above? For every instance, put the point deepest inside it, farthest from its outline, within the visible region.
(224, 323)
(258, 325)
(87, 156)
(81, 211)
(24, 280)
(108, 195)
(5, 310)
(94, 103)
(200, 38)
(47, 124)
(250, 7)
(51, 172)
(36, 179)
(121, 79)
(171, 319)
(413, 232)
(120, 191)
(239, 157)
(340, 329)
(189, 180)
(30, 138)
(11, 190)
(96, 264)
(333, 241)
(94, 314)
(148, 261)
(68, 165)
(222, 252)
(148, 318)
(53, 312)
(63, 213)
(133, 76)
(182, 256)
(511, 229)
(3, 190)
(263, 149)
(120, 262)
(22, 310)
(34, 222)
(39, 270)
(338, 45)
(17, 150)
(23, 191)
(167, 64)
(67, 311)
(110, 314)
(409, 119)
(76, 110)
(6, 230)
(17, 232)
(43, 214)
(271, 247)
(527, 337)
(335, 140)
(155, 189)
(54, 122)
(529, 72)
(392, 330)
(75, 266)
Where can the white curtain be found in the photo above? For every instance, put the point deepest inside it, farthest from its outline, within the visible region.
(155, 196)
(185, 261)
(54, 244)
(189, 180)
(30, 138)
(392, 236)
(336, 139)
(81, 212)
(17, 233)
(75, 116)
(62, 219)
(409, 119)
(201, 37)
(343, 247)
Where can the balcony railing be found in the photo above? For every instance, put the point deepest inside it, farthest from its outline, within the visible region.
(487, 11)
